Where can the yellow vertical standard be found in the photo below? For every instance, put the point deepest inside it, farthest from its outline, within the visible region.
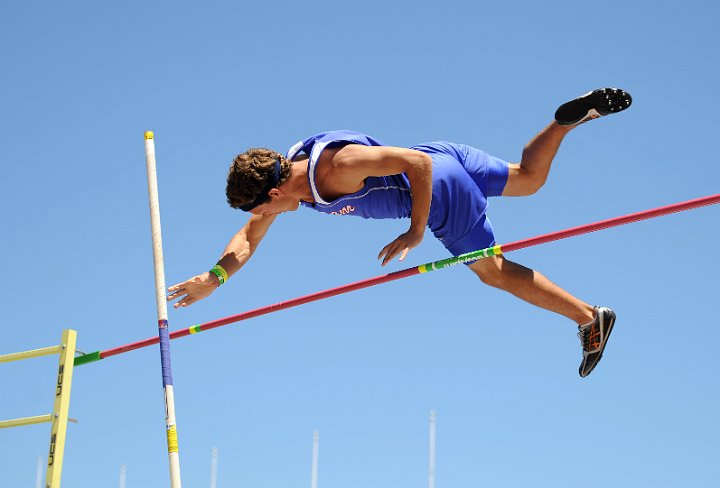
(61, 409)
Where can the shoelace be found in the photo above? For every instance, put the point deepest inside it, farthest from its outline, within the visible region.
(587, 334)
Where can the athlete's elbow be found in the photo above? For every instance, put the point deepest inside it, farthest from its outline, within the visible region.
(423, 163)
(415, 164)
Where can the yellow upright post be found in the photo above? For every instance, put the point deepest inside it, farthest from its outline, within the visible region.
(61, 409)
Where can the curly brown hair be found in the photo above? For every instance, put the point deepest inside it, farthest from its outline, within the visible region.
(251, 172)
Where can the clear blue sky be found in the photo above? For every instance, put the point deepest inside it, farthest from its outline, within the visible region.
(81, 82)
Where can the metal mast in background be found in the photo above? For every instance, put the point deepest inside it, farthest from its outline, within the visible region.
(213, 468)
(316, 448)
(39, 473)
(431, 460)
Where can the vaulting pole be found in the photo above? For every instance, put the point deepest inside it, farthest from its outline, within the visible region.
(162, 315)
(424, 268)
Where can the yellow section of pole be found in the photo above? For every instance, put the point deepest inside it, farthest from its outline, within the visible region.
(4, 424)
(61, 409)
(16, 356)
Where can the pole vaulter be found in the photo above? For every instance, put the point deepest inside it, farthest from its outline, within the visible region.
(424, 268)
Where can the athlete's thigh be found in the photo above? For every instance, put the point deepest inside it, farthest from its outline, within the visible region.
(489, 173)
(474, 236)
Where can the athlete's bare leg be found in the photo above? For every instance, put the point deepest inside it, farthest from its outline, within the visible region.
(530, 174)
(531, 286)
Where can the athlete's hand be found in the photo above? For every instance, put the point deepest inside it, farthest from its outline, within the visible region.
(401, 246)
(194, 289)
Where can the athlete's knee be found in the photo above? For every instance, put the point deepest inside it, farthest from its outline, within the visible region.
(522, 182)
(535, 183)
(532, 181)
(494, 279)
(490, 271)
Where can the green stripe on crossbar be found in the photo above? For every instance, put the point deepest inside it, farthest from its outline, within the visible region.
(87, 358)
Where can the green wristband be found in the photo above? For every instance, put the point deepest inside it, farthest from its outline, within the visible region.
(220, 272)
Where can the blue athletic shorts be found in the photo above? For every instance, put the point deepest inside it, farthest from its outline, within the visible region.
(463, 178)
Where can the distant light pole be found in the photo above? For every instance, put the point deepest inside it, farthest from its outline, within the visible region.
(316, 448)
(431, 457)
(123, 471)
(213, 468)
(39, 473)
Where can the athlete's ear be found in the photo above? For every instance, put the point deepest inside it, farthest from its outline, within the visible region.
(275, 192)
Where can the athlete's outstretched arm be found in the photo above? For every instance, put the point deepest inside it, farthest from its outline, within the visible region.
(353, 163)
(238, 251)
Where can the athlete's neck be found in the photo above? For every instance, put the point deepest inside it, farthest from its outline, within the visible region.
(297, 185)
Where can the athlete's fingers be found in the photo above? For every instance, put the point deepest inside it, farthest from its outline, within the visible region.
(179, 285)
(387, 250)
(178, 288)
(400, 246)
(176, 291)
(404, 253)
(392, 252)
(176, 296)
(185, 302)
(384, 250)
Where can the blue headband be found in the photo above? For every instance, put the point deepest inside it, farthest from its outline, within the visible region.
(264, 196)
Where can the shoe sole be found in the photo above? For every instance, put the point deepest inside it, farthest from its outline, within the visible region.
(597, 103)
(602, 345)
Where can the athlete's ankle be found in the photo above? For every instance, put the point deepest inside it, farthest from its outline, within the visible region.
(587, 317)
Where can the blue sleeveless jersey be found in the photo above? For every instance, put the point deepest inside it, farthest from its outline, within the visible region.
(463, 177)
(382, 197)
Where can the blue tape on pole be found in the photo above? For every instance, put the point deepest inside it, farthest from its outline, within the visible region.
(165, 352)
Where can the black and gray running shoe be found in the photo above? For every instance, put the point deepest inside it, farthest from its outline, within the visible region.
(597, 103)
(593, 337)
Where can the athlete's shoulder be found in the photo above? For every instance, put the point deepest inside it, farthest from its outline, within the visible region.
(345, 135)
(324, 139)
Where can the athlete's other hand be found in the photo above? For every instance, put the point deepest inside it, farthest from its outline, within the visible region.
(401, 246)
(194, 289)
